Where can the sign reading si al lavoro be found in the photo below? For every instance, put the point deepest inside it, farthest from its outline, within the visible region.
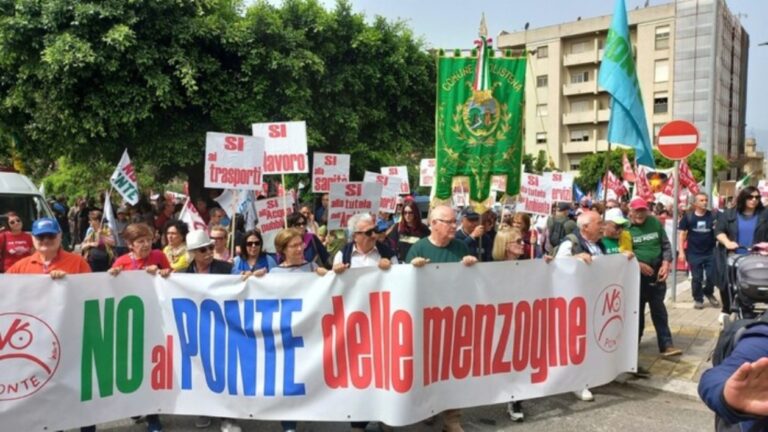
(309, 347)
(285, 146)
(233, 161)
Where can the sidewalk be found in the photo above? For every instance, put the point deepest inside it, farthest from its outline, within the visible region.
(693, 331)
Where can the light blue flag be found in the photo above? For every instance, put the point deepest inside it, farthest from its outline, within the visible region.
(600, 194)
(618, 77)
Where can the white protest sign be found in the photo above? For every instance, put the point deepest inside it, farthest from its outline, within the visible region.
(190, 216)
(427, 172)
(499, 183)
(285, 146)
(233, 161)
(535, 196)
(329, 168)
(402, 173)
(271, 215)
(460, 192)
(123, 179)
(349, 199)
(561, 186)
(389, 192)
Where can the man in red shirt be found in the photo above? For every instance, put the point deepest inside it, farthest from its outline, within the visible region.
(49, 257)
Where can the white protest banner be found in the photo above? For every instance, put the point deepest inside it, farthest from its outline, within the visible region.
(285, 146)
(329, 168)
(123, 179)
(427, 172)
(349, 199)
(190, 216)
(402, 173)
(390, 189)
(535, 196)
(233, 161)
(561, 185)
(460, 196)
(299, 346)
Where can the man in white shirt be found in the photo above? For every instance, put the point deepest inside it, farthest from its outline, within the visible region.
(363, 250)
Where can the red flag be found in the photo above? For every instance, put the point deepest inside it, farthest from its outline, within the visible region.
(669, 187)
(613, 183)
(627, 172)
(642, 187)
(687, 179)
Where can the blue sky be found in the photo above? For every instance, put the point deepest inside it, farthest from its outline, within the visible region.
(454, 24)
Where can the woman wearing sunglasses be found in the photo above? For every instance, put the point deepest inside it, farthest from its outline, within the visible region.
(15, 244)
(252, 259)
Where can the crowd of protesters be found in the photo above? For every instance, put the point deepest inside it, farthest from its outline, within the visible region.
(151, 237)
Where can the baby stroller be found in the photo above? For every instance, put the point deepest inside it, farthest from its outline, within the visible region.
(747, 281)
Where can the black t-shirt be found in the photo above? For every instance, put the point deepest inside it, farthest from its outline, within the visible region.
(701, 232)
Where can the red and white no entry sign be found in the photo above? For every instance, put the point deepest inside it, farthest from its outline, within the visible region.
(677, 139)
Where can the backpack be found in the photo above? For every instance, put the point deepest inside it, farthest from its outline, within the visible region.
(726, 342)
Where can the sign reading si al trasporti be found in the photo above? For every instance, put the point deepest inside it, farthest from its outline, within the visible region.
(285, 146)
(349, 199)
(233, 161)
(329, 168)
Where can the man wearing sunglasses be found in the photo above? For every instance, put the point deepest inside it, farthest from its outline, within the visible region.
(363, 250)
(200, 246)
(49, 257)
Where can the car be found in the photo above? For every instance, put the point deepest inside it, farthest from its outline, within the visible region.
(19, 194)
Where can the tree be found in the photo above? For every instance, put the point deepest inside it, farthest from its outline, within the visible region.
(86, 79)
(592, 167)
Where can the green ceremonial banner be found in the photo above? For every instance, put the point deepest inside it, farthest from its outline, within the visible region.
(479, 134)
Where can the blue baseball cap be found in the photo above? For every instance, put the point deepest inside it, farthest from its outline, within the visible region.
(45, 226)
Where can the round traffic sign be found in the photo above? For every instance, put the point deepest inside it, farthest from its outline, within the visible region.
(677, 139)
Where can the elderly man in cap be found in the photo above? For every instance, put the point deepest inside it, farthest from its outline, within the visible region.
(474, 235)
(559, 226)
(49, 257)
(654, 253)
(616, 239)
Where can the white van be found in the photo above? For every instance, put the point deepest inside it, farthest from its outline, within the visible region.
(19, 194)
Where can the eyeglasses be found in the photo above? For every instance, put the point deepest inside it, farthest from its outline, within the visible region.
(46, 236)
(516, 242)
(405, 212)
(447, 222)
(754, 197)
(367, 233)
(252, 244)
(205, 249)
(14, 221)
(217, 238)
(300, 224)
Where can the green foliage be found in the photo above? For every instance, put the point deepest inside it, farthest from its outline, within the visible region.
(592, 167)
(85, 79)
(537, 164)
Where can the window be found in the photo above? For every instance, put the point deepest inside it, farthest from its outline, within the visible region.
(579, 136)
(580, 106)
(541, 137)
(542, 80)
(541, 110)
(661, 71)
(575, 165)
(580, 47)
(580, 77)
(662, 37)
(542, 52)
(660, 103)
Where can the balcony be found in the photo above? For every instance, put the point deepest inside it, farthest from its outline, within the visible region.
(603, 115)
(579, 117)
(602, 145)
(579, 147)
(580, 58)
(580, 88)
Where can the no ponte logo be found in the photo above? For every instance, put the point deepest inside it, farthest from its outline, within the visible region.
(29, 355)
(608, 318)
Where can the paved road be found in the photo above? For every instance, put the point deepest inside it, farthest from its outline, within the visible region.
(617, 407)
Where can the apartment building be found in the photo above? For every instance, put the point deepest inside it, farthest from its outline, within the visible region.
(681, 77)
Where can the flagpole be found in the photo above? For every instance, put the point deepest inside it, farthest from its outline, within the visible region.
(675, 201)
(285, 201)
(605, 175)
(232, 226)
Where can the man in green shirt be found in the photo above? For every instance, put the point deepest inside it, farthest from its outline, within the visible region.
(654, 253)
(442, 247)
